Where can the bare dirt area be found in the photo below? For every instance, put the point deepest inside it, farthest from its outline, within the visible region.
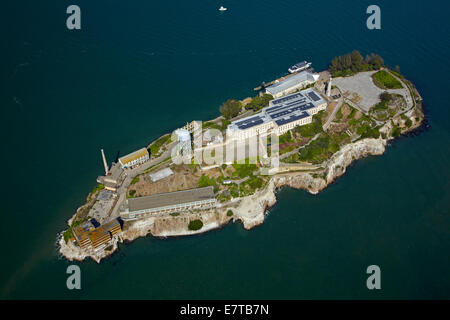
(184, 177)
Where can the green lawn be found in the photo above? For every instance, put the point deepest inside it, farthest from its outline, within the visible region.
(385, 80)
(154, 148)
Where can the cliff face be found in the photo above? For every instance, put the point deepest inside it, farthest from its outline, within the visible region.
(251, 209)
(338, 163)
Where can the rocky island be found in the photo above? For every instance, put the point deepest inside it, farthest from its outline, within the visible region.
(301, 131)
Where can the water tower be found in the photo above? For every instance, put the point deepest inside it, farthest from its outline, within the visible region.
(184, 142)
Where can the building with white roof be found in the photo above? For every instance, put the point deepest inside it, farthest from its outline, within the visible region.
(292, 83)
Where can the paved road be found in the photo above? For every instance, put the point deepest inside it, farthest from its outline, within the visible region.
(333, 114)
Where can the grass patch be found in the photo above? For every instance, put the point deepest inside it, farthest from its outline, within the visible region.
(244, 170)
(98, 187)
(319, 149)
(156, 146)
(385, 80)
(206, 181)
(135, 180)
(311, 129)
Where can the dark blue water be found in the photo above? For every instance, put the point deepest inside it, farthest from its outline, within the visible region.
(138, 69)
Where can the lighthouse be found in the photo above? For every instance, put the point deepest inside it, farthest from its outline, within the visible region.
(329, 88)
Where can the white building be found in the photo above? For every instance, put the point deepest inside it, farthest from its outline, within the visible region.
(281, 115)
(134, 159)
(292, 83)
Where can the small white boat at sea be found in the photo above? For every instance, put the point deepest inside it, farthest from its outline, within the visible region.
(222, 8)
(299, 66)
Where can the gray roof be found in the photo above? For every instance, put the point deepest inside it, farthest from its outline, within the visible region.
(170, 198)
(161, 174)
(290, 82)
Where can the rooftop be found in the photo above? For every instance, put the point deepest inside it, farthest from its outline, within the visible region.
(170, 198)
(291, 81)
(161, 174)
(133, 156)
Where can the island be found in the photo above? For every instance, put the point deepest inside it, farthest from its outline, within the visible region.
(300, 131)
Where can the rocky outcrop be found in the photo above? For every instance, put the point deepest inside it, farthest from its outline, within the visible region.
(338, 163)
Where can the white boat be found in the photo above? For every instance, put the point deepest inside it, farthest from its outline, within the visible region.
(299, 66)
(222, 8)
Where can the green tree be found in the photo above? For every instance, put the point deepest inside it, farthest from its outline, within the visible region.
(230, 108)
(195, 225)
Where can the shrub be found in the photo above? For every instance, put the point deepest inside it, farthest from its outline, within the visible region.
(195, 225)
(229, 213)
(230, 108)
(258, 102)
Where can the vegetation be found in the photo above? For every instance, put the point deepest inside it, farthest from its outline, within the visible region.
(396, 131)
(230, 108)
(244, 170)
(97, 188)
(320, 149)
(353, 62)
(211, 125)
(229, 213)
(135, 180)
(206, 181)
(385, 80)
(69, 232)
(408, 123)
(132, 193)
(311, 129)
(154, 148)
(258, 102)
(285, 138)
(366, 131)
(195, 225)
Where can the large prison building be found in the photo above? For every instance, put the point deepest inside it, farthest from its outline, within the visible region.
(170, 202)
(281, 115)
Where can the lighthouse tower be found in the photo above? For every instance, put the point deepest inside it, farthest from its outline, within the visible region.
(329, 88)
